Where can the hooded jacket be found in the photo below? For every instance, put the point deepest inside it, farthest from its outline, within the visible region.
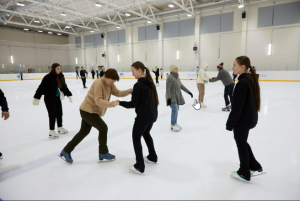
(243, 110)
(143, 100)
(202, 76)
(49, 87)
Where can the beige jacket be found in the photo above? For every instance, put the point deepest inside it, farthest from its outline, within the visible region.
(97, 99)
(202, 76)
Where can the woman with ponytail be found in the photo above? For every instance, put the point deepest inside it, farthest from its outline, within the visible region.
(244, 116)
(145, 101)
(54, 89)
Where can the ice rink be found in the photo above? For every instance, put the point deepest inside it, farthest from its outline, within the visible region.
(193, 164)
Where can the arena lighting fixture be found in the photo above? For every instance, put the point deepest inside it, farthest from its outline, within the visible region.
(118, 27)
(127, 14)
(189, 15)
(36, 21)
(20, 4)
(40, 31)
(50, 32)
(59, 34)
(68, 27)
(92, 31)
(11, 59)
(149, 22)
(26, 29)
(241, 6)
(118, 58)
(63, 14)
(76, 60)
(171, 5)
(98, 5)
(177, 54)
(270, 50)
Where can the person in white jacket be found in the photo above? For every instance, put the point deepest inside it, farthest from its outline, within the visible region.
(201, 81)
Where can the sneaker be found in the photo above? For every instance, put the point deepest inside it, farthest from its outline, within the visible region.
(236, 175)
(178, 126)
(133, 169)
(66, 157)
(61, 130)
(53, 134)
(203, 105)
(175, 128)
(252, 172)
(106, 157)
(147, 160)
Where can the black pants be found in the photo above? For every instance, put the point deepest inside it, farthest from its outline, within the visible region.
(88, 121)
(228, 92)
(93, 75)
(247, 159)
(54, 108)
(77, 76)
(83, 81)
(161, 77)
(21, 77)
(138, 131)
(157, 80)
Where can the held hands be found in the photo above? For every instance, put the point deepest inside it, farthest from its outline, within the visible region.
(116, 102)
(35, 102)
(130, 91)
(70, 98)
(5, 115)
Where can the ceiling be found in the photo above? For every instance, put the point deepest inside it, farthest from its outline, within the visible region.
(84, 15)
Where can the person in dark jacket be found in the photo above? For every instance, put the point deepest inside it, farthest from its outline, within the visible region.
(93, 73)
(83, 75)
(21, 74)
(4, 108)
(244, 116)
(102, 72)
(145, 101)
(54, 89)
(156, 75)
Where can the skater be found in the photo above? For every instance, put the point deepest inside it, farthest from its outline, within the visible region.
(54, 89)
(93, 73)
(227, 81)
(244, 116)
(21, 74)
(197, 71)
(174, 96)
(83, 75)
(92, 110)
(77, 73)
(234, 77)
(4, 108)
(145, 101)
(102, 72)
(161, 74)
(201, 81)
(156, 75)
(97, 73)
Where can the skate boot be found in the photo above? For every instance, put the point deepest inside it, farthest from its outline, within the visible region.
(203, 105)
(106, 157)
(149, 161)
(61, 130)
(178, 126)
(135, 170)
(259, 172)
(0, 155)
(227, 108)
(175, 128)
(53, 134)
(236, 175)
(66, 157)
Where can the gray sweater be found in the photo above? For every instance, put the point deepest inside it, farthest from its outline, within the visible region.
(173, 89)
(224, 76)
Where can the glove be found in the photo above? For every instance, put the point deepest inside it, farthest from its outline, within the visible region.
(191, 94)
(62, 95)
(70, 98)
(169, 102)
(35, 102)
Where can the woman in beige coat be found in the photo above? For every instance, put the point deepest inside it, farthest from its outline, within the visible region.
(201, 81)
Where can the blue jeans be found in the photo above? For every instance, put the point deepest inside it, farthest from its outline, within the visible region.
(174, 115)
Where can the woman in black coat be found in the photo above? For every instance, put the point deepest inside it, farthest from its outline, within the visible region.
(244, 116)
(54, 88)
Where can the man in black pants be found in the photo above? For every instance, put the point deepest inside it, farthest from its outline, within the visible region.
(4, 108)
(83, 77)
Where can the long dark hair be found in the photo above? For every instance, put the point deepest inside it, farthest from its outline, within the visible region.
(60, 79)
(139, 65)
(243, 60)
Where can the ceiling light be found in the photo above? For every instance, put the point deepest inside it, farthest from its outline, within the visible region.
(149, 22)
(171, 5)
(68, 27)
(92, 31)
(98, 5)
(26, 29)
(189, 15)
(241, 6)
(59, 34)
(36, 21)
(127, 14)
(118, 27)
(40, 31)
(20, 4)
(50, 32)
(63, 14)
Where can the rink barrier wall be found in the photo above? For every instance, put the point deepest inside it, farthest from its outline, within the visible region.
(264, 76)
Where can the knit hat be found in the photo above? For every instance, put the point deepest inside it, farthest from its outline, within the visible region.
(220, 65)
(172, 67)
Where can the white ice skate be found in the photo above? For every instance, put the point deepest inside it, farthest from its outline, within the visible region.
(133, 169)
(203, 105)
(259, 172)
(227, 108)
(148, 161)
(175, 128)
(61, 130)
(178, 126)
(235, 175)
(53, 134)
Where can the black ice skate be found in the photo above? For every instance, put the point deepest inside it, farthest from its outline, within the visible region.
(227, 108)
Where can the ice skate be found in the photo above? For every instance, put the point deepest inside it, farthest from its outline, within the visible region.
(66, 157)
(148, 161)
(235, 175)
(178, 126)
(203, 105)
(175, 128)
(259, 172)
(227, 108)
(61, 130)
(1, 155)
(106, 157)
(133, 169)
(53, 134)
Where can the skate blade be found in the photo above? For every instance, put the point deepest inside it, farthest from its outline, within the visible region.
(63, 132)
(136, 171)
(64, 159)
(175, 131)
(240, 179)
(258, 174)
(53, 137)
(150, 162)
(105, 160)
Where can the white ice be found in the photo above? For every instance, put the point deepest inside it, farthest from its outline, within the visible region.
(193, 164)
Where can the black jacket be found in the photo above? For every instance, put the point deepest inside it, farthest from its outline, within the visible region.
(48, 87)
(244, 110)
(82, 73)
(3, 102)
(156, 73)
(143, 101)
(102, 73)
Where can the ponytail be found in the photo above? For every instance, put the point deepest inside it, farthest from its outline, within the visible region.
(243, 60)
(139, 65)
